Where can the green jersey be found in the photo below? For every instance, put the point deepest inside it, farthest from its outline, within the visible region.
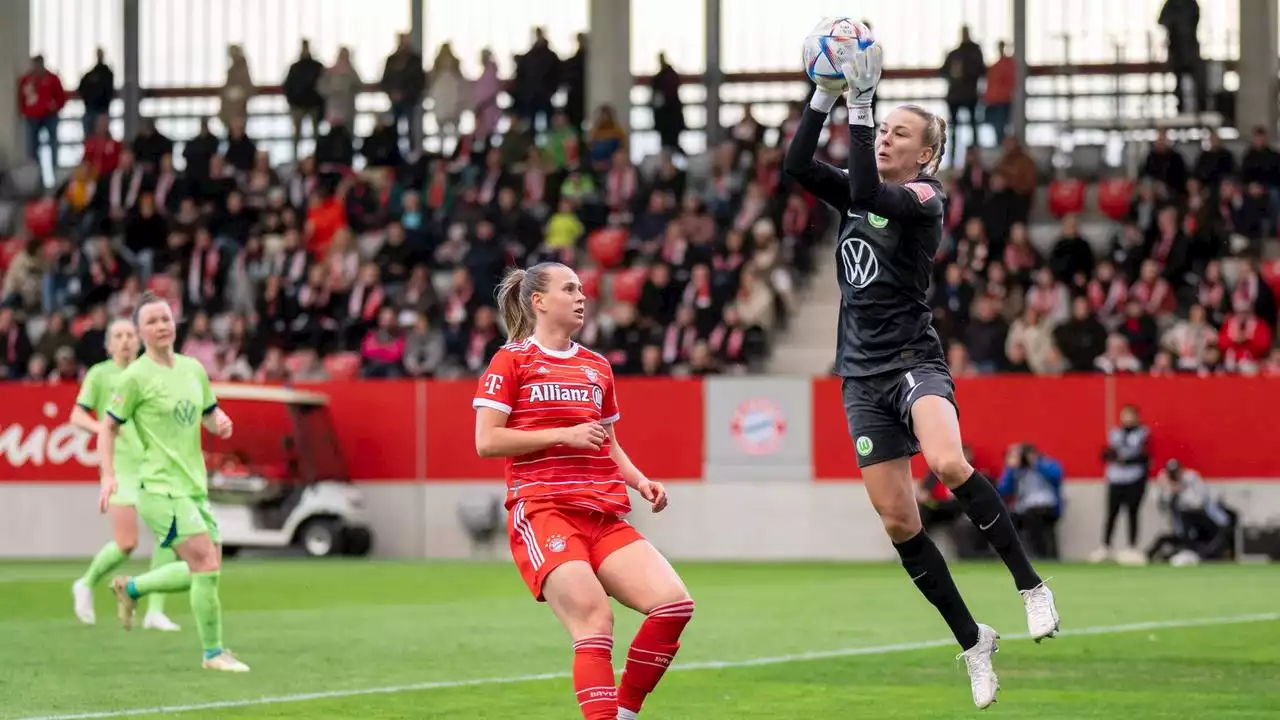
(165, 406)
(95, 393)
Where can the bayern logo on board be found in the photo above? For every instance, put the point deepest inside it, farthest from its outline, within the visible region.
(758, 426)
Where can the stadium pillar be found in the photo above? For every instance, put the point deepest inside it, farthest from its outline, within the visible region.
(1256, 99)
(712, 76)
(15, 33)
(132, 84)
(418, 34)
(1020, 69)
(609, 81)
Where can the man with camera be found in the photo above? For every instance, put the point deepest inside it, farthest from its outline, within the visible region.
(1203, 528)
(1032, 484)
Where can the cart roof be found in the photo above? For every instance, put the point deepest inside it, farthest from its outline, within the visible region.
(269, 393)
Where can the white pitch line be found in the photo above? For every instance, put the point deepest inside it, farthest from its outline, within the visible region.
(711, 665)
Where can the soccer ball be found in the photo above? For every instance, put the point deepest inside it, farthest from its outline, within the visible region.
(831, 43)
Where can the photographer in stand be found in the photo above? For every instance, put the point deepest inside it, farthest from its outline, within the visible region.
(1203, 528)
(1032, 485)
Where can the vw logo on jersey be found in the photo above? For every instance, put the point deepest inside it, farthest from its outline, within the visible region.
(860, 263)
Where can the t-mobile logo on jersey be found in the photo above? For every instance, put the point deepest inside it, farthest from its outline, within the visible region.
(860, 263)
(492, 384)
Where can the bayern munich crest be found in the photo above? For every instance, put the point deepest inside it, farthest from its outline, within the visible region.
(592, 375)
(555, 544)
(758, 426)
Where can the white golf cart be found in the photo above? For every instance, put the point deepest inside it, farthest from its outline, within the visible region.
(281, 480)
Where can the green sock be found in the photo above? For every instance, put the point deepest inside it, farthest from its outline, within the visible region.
(207, 608)
(108, 558)
(174, 577)
(161, 557)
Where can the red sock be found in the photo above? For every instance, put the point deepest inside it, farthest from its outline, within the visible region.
(593, 677)
(652, 652)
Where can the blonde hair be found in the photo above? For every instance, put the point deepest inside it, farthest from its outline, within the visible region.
(935, 135)
(515, 298)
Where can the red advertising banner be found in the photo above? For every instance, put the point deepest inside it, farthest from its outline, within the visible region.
(1065, 417)
(1224, 427)
(661, 429)
(424, 430)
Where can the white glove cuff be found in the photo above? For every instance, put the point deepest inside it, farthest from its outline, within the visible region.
(861, 115)
(822, 101)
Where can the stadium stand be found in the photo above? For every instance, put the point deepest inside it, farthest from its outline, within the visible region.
(365, 260)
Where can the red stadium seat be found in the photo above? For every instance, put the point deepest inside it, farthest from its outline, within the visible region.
(628, 284)
(1270, 272)
(41, 217)
(342, 366)
(294, 363)
(1114, 195)
(79, 324)
(1066, 197)
(607, 246)
(590, 278)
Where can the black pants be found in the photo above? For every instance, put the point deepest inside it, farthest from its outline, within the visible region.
(1039, 530)
(1126, 496)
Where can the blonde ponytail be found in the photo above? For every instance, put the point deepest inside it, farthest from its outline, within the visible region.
(515, 298)
(515, 315)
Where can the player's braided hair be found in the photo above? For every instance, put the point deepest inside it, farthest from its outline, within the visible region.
(515, 298)
(935, 135)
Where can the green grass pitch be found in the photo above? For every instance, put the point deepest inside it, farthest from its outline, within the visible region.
(814, 641)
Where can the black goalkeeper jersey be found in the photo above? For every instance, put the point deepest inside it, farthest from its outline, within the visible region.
(888, 237)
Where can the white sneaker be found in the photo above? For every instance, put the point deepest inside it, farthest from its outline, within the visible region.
(1131, 557)
(1100, 555)
(977, 660)
(83, 596)
(159, 621)
(225, 662)
(1042, 615)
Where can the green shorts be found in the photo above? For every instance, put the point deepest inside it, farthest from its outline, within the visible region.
(173, 520)
(126, 494)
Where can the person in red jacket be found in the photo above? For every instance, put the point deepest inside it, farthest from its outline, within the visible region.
(1245, 339)
(40, 98)
(101, 151)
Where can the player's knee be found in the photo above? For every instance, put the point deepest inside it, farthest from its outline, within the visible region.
(901, 525)
(127, 545)
(201, 556)
(592, 615)
(950, 467)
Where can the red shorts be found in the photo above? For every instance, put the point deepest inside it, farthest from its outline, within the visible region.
(543, 537)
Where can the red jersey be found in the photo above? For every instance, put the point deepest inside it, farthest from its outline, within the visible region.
(540, 388)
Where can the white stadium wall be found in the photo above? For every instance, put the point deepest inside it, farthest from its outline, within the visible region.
(776, 520)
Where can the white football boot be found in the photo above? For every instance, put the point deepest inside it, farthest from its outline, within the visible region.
(226, 662)
(977, 660)
(159, 621)
(83, 596)
(1042, 615)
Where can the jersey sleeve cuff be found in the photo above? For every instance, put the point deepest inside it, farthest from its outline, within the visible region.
(491, 404)
(85, 406)
(210, 409)
(119, 420)
(611, 419)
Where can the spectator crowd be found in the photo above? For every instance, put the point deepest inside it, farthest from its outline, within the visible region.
(1179, 285)
(370, 258)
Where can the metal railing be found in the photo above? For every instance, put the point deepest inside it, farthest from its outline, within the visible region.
(1114, 100)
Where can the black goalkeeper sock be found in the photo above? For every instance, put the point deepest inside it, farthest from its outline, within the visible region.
(928, 570)
(986, 509)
